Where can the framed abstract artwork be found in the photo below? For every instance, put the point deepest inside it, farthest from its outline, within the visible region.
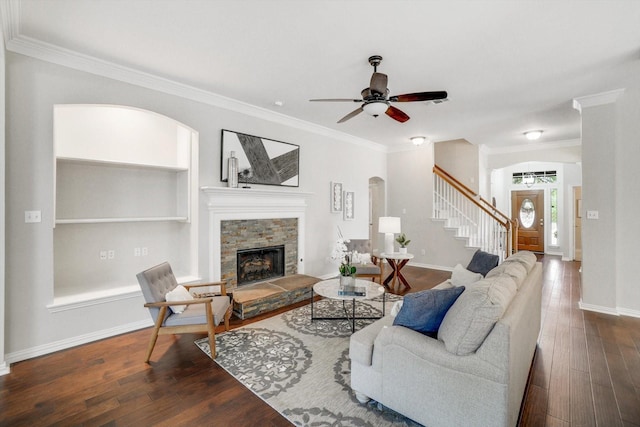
(335, 196)
(349, 205)
(260, 160)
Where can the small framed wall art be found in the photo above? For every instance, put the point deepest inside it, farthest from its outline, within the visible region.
(349, 205)
(335, 196)
(260, 160)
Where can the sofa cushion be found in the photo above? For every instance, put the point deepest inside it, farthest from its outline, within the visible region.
(482, 262)
(526, 258)
(475, 312)
(511, 268)
(423, 311)
(463, 277)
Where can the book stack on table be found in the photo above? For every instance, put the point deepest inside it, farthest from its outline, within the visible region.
(352, 291)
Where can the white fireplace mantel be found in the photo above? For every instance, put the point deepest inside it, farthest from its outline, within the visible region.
(224, 204)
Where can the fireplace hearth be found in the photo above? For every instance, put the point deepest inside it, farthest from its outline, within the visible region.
(259, 264)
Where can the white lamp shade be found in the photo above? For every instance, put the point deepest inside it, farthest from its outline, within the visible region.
(375, 108)
(389, 224)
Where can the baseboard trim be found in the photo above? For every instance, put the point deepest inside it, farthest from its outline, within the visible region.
(4, 369)
(629, 312)
(64, 344)
(430, 266)
(618, 311)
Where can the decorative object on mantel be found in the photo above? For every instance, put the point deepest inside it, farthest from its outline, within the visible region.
(389, 225)
(349, 205)
(246, 175)
(403, 242)
(232, 167)
(335, 195)
(270, 162)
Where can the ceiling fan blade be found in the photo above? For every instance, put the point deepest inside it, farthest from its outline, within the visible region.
(351, 115)
(336, 100)
(396, 114)
(378, 83)
(419, 96)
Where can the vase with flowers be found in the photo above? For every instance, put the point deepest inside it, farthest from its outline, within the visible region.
(342, 254)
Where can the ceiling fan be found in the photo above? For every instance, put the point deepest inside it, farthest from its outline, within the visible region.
(376, 99)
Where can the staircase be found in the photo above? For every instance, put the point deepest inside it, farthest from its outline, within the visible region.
(471, 217)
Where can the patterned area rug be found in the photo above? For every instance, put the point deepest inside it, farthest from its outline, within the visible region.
(301, 368)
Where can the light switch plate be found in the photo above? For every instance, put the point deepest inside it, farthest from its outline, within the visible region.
(32, 216)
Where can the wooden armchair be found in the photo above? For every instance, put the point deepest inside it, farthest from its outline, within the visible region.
(200, 314)
(375, 268)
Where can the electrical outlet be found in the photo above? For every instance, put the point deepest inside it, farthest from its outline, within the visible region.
(103, 255)
(32, 216)
(136, 252)
(592, 214)
(111, 254)
(145, 251)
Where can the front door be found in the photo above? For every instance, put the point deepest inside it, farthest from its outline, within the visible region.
(527, 207)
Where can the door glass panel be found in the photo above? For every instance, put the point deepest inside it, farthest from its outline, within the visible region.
(527, 213)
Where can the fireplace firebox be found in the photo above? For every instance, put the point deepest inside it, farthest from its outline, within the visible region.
(258, 264)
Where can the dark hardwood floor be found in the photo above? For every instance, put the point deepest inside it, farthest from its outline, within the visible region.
(586, 372)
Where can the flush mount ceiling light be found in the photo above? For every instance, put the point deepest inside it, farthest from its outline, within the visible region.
(532, 135)
(418, 140)
(375, 108)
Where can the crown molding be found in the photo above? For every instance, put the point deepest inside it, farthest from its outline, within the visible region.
(48, 52)
(597, 99)
(533, 147)
(10, 11)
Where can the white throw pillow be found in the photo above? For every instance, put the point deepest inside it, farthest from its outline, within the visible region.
(364, 258)
(396, 308)
(463, 277)
(179, 293)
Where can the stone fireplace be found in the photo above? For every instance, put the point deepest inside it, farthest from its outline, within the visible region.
(252, 218)
(259, 264)
(250, 237)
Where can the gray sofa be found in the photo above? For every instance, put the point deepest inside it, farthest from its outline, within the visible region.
(475, 372)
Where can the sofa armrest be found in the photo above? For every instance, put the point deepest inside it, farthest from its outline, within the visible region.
(432, 351)
(361, 342)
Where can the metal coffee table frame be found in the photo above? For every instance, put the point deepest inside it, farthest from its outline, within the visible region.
(349, 312)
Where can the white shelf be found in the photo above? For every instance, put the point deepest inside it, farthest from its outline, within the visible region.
(104, 296)
(115, 220)
(109, 163)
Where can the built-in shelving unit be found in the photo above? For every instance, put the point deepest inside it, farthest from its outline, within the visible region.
(125, 188)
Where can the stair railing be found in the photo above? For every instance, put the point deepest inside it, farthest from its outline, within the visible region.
(474, 217)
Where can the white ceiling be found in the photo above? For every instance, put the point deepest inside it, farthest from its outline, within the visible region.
(508, 66)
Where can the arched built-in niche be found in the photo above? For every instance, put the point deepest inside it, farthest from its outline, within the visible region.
(125, 186)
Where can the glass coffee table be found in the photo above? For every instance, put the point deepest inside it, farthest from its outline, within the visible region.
(330, 289)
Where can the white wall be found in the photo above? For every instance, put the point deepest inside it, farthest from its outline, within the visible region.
(3, 366)
(461, 160)
(610, 132)
(33, 87)
(627, 159)
(410, 197)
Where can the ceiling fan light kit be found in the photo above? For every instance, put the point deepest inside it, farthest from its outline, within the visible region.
(376, 100)
(375, 108)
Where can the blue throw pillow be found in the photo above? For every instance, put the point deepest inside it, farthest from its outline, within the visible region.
(423, 311)
(483, 262)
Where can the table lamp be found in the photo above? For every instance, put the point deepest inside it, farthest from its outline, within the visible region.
(388, 225)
